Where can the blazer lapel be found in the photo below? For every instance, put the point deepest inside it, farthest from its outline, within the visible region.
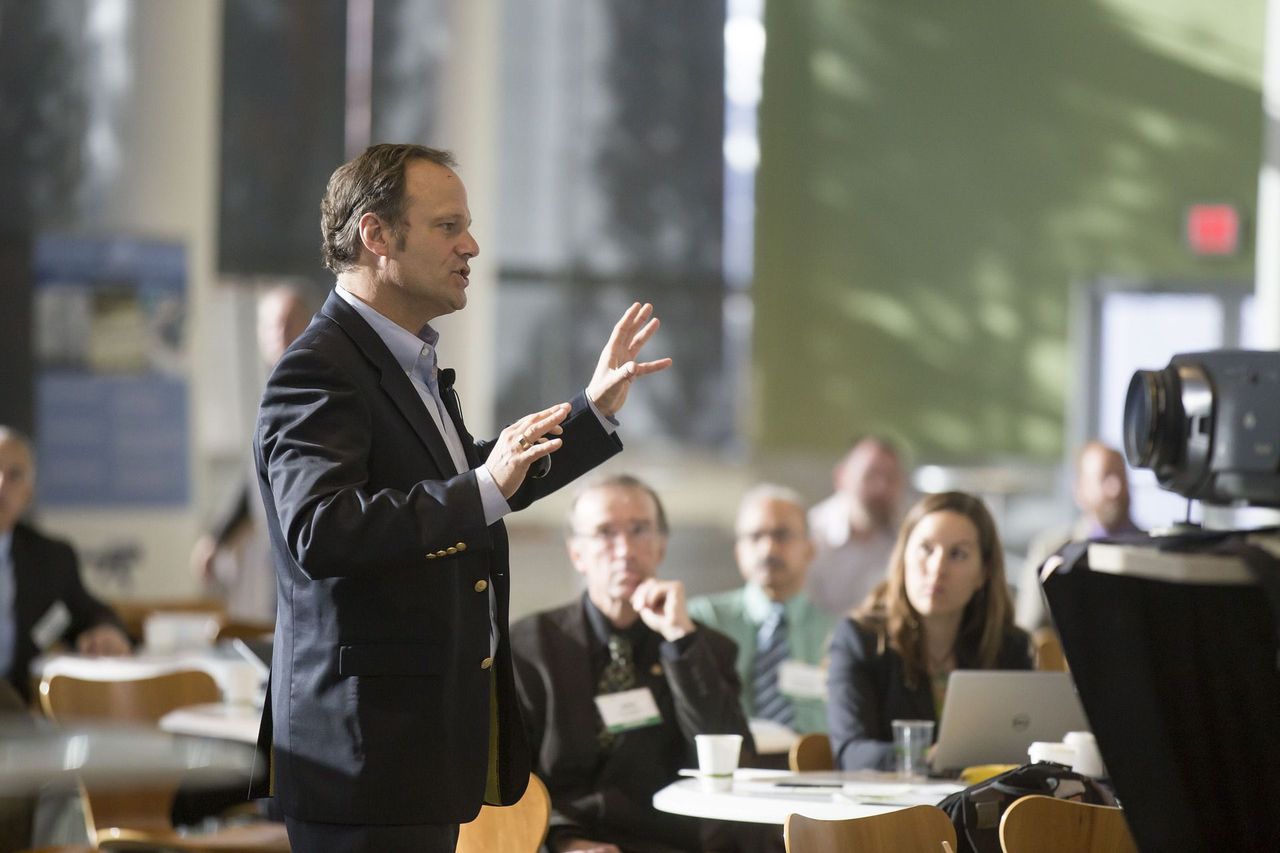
(393, 382)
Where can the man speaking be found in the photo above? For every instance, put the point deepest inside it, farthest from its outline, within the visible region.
(391, 703)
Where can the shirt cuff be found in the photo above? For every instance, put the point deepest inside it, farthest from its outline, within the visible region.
(609, 424)
(495, 505)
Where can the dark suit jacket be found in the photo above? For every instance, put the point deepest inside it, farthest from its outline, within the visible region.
(46, 571)
(380, 681)
(867, 691)
(608, 797)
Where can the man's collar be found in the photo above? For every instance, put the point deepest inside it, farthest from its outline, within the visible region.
(758, 605)
(601, 627)
(405, 346)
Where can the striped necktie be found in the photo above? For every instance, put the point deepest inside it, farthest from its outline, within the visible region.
(772, 648)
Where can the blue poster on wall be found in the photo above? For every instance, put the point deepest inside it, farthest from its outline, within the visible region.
(111, 387)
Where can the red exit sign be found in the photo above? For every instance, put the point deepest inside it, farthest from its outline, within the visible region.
(1213, 229)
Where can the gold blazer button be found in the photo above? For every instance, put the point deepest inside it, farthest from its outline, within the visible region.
(486, 663)
(481, 585)
(461, 546)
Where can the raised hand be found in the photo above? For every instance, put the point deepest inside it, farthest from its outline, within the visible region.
(661, 604)
(617, 367)
(522, 443)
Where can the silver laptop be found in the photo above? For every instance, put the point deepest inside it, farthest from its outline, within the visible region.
(992, 716)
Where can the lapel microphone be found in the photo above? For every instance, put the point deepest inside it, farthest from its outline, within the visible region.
(445, 378)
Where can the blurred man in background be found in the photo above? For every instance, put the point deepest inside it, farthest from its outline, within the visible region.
(1102, 495)
(854, 529)
(42, 601)
(782, 635)
(233, 559)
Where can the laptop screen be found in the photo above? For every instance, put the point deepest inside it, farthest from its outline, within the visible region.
(992, 716)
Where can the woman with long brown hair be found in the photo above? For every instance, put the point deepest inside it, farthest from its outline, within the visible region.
(943, 606)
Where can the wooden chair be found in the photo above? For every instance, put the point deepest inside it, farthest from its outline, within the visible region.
(66, 699)
(1038, 824)
(811, 752)
(520, 828)
(918, 829)
(1048, 651)
(140, 817)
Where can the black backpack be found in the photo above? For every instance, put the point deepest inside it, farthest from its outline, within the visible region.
(976, 811)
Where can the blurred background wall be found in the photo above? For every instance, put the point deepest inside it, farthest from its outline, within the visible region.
(853, 216)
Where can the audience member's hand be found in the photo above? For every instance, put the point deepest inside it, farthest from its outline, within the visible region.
(103, 640)
(587, 846)
(662, 607)
(617, 367)
(520, 444)
(203, 555)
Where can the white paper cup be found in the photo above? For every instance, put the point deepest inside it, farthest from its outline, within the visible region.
(717, 759)
(911, 742)
(1088, 759)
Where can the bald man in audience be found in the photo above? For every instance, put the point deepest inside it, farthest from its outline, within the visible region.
(1102, 495)
(855, 528)
(42, 601)
(782, 635)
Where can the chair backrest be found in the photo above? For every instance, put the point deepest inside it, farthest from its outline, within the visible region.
(918, 829)
(1039, 824)
(810, 752)
(1047, 647)
(518, 828)
(65, 698)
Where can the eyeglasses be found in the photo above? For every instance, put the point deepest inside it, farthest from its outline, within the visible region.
(780, 535)
(640, 533)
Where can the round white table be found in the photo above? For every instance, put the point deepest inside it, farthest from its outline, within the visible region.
(768, 796)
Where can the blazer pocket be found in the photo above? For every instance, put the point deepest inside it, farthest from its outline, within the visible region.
(374, 659)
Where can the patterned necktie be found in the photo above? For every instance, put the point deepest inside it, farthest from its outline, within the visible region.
(772, 648)
(619, 674)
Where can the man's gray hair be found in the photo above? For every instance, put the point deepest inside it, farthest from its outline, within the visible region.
(618, 481)
(774, 492)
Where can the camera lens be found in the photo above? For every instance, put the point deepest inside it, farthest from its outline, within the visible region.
(1152, 430)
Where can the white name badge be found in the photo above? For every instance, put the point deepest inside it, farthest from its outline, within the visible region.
(51, 626)
(629, 709)
(802, 680)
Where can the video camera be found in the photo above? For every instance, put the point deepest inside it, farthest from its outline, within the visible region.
(1208, 425)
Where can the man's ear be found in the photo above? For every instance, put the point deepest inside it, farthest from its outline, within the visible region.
(576, 557)
(375, 235)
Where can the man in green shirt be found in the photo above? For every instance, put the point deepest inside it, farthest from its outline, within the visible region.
(781, 635)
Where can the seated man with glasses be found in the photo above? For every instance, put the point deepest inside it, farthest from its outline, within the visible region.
(782, 635)
(614, 685)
